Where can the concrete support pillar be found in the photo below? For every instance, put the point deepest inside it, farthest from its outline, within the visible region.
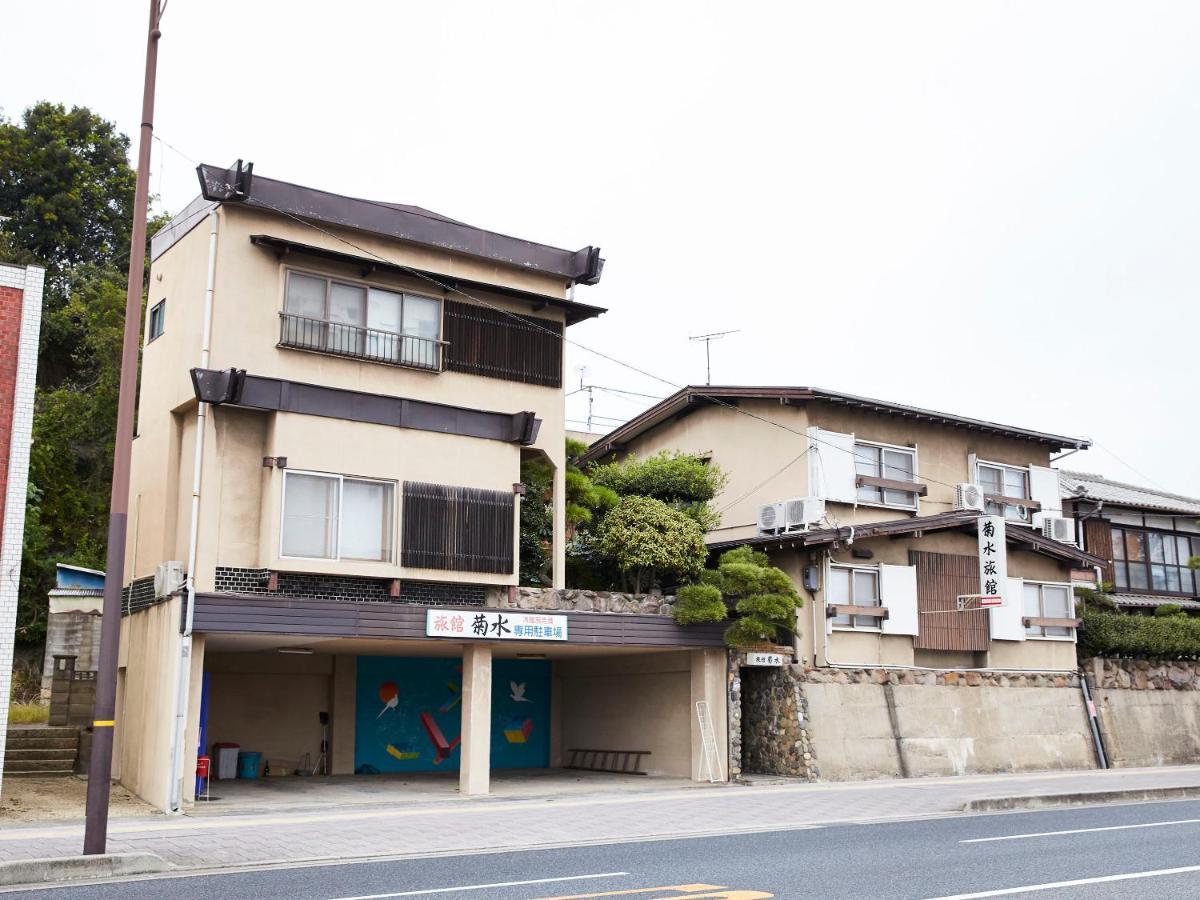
(559, 549)
(474, 773)
(191, 731)
(342, 714)
(709, 673)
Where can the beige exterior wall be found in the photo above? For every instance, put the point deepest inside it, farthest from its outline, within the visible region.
(240, 500)
(269, 702)
(630, 703)
(750, 450)
(863, 648)
(148, 665)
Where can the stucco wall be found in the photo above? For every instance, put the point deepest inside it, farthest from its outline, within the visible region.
(269, 702)
(148, 668)
(878, 724)
(637, 702)
(1149, 710)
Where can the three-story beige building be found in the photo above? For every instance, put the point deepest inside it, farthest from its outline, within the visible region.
(336, 397)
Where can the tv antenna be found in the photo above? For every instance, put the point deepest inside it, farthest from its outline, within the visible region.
(708, 339)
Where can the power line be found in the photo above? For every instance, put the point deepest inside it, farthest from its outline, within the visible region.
(451, 288)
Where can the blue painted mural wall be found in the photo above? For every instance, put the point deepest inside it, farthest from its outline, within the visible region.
(408, 714)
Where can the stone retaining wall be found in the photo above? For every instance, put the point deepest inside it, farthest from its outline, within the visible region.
(576, 600)
(1144, 674)
(775, 736)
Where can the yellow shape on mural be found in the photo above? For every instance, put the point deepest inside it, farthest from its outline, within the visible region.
(401, 754)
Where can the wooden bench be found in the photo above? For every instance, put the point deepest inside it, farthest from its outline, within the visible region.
(620, 762)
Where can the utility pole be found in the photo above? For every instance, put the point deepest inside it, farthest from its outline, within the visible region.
(708, 339)
(95, 835)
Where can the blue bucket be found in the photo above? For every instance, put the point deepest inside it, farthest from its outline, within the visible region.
(249, 764)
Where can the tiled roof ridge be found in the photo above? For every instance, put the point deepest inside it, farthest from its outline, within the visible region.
(1088, 476)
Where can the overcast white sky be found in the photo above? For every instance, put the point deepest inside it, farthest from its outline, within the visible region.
(991, 209)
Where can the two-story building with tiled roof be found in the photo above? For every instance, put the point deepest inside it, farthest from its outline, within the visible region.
(1146, 537)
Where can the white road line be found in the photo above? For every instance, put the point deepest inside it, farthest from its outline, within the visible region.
(1038, 834)
(1078, 882)
(483, 887)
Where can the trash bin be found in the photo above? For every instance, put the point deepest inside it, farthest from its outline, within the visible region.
(227, 760)
(249, 762)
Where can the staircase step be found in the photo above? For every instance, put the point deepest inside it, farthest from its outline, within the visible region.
(39, 773)
(37, 766)
(56, 731)
(13, 754)
(34, 742)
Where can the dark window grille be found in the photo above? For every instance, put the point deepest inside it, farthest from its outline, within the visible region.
(486, 342)
(457, 529)
(337, 339)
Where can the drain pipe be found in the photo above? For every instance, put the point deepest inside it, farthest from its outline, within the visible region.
(1093, 718)
(185, 640)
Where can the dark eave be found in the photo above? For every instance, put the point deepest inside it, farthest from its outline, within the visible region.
(960, 520)
(691, 397)
(233, 387)
(575, 312)
(405, 223)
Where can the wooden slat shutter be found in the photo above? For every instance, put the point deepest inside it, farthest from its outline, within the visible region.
(1097, 539)
(941, 578)
(495, 344)
(458, 529)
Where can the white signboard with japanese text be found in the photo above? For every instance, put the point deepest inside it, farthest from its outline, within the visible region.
(765, 659)
(494, 625)
(993, 558)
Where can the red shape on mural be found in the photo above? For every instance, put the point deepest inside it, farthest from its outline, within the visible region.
(442, 747)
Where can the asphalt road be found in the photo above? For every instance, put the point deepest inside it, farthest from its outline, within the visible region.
(1094, 850)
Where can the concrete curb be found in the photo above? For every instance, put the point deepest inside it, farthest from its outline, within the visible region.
(72, 868)
(1080, 798)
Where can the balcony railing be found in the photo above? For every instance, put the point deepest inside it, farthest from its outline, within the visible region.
(337, 339)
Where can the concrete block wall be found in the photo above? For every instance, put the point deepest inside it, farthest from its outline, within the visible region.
(1149, 710)
(20, 325)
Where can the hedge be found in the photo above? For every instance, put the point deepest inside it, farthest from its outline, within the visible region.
(1118, 634)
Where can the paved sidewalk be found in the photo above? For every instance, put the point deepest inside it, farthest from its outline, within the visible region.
(461, 824)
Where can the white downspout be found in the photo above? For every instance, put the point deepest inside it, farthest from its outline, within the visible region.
(185, 641)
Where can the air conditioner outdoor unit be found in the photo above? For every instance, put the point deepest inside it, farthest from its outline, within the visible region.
(969, 496)
(1059, 529)
(168, 578)
(802, 512)
(772, 518)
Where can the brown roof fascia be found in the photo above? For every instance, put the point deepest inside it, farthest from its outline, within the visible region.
(575, 312)
(957, 519)
(788, 395)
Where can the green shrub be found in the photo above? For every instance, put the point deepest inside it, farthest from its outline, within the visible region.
(650, 542)
(1107, 633)
(763, 597)
(699, 603)
(1167, 610)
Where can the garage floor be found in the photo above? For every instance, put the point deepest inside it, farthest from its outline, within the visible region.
(246, 795)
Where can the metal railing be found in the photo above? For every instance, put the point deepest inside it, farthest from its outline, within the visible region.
(337, 339)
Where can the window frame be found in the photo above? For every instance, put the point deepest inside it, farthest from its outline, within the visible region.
(1024, 512)
(1121, 564)
(367, 286)
(1038, 632)
(882, 503)
(393, 516)
(873, 625)
(157, 312)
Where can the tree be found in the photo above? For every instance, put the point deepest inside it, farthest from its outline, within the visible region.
(67, 188)
(651, 543)
(584, 503)
(761, 594)
(684, 481)
(67, 194)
